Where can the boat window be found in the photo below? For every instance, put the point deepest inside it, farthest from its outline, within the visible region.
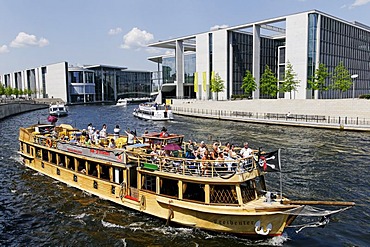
(148, 182)
(53, 158)
(81, 166)
(193, 192)
(104, 172)
(71, 163)
(45, 155)
(225, 194)
(62, 160)
(133, 177)
(169, 187)
(38, 153)
(248, 191)
(93, 170)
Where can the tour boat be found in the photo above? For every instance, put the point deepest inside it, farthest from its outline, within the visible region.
(58, 109)
(228, 196)
(122, 102)
(153, 111)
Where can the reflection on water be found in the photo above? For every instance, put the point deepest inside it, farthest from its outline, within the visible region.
(317, 165)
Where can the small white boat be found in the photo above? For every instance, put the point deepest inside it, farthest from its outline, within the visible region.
(58, 109)
(122, 102)
(153, 111)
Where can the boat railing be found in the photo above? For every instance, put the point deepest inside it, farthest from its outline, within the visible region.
(223, 168)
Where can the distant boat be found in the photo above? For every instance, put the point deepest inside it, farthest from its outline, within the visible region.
(153, 111)
(58, 109)
(122, 102)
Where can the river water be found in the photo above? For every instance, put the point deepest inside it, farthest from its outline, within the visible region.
(317, 165)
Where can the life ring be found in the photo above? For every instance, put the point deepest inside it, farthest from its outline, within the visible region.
(49, 143)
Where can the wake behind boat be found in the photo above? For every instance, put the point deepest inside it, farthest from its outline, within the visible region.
(154, 176)
(153, 111)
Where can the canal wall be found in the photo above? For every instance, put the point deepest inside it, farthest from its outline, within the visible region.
(17, 107)
(344, 114)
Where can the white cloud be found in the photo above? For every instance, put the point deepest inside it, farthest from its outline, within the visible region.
(23, 39)
(358, 3)
(115, 31)
(216, 27)
(4, 49)
(136, 39)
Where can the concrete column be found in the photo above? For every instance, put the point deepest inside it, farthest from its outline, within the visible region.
(180, 68)
(256, 59)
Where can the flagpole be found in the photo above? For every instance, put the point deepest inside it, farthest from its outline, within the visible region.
(281, 180)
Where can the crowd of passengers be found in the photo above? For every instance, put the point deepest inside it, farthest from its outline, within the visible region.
(93, 136)
(225, 156)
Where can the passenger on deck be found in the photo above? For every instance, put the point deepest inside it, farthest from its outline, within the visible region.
(116, 132)
(226, 149)
(96, 137)
(103, 132)
(190, 150)
(154, 154)
(87, 141)
(246, 151)
(232, 154)
(216, 153)
(200, 151)
(131, 137)
(112, 143)
(164, 132)
(204, 165)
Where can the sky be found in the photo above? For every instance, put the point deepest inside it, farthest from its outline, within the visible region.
(116, 32)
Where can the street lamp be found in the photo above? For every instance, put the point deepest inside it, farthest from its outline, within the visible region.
(353, 77)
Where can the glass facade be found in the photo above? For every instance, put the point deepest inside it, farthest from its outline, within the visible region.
(311, 53)
(81, 86)
(242, 60)
(131, 84)
(169, 73)
(340, 41)
(169, 70)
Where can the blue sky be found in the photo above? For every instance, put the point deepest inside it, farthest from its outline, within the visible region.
(115, 32)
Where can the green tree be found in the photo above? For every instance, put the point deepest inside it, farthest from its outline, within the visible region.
(2, 89)
(290, 83)
(8, 91)
(217, 85)
(341, 78)
(16, 92)
(317, 82)
(249, 83)
(268, 83)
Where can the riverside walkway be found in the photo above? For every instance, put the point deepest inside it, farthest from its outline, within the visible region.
(344, 114)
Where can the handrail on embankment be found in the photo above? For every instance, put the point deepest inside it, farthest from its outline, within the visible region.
(318, 121)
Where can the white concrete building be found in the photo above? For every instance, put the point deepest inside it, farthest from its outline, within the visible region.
(303, 39)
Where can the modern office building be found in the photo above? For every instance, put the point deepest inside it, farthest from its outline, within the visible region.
(304, 40)
(81, 84)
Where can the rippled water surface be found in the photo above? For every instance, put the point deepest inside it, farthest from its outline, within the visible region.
(317, 165)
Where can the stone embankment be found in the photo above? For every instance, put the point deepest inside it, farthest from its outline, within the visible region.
(14, 107)
(343, 114)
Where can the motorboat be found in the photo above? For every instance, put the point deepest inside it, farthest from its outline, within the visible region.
(153, 111)
(58, 110)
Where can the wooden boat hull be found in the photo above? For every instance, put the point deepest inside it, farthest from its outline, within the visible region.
(233, 204)
(235, 221)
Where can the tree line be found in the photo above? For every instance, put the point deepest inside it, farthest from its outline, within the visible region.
(8, 91)
(270, 85)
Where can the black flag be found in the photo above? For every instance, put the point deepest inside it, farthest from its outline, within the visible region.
(269, 162)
